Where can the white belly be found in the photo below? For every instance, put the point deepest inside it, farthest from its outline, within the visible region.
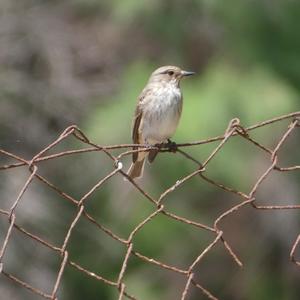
(161, 115)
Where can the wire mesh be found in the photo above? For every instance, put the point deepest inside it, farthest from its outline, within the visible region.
(246, 199)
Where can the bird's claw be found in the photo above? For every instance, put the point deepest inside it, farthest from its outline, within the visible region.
(172, 146)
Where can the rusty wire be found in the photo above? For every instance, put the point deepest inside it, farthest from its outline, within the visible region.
(234, 128)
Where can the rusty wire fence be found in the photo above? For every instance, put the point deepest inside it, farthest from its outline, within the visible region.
(246, 199)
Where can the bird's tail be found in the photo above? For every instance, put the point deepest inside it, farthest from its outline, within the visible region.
(136, 169)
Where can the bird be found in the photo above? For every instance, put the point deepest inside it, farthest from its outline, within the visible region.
(157, 114)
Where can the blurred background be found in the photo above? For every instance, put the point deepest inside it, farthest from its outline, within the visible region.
(84, 62)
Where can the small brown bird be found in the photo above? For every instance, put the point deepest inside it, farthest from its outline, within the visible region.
(157, 113)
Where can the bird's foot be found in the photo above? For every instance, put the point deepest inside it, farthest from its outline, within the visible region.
(172, 146)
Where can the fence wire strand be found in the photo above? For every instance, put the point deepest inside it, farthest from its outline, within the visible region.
(234, 129)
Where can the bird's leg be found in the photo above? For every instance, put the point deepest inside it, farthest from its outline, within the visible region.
(172, 146)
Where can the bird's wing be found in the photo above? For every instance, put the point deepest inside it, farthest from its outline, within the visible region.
(137, 120)
(135, 132)
(136, 125)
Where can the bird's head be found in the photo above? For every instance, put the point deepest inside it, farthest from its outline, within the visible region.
(169, 74)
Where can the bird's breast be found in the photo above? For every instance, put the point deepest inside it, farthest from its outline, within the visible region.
(161, 114)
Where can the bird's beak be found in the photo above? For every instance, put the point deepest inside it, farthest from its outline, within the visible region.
(187, 73)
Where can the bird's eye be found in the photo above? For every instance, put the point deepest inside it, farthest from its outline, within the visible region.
(171, 73)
